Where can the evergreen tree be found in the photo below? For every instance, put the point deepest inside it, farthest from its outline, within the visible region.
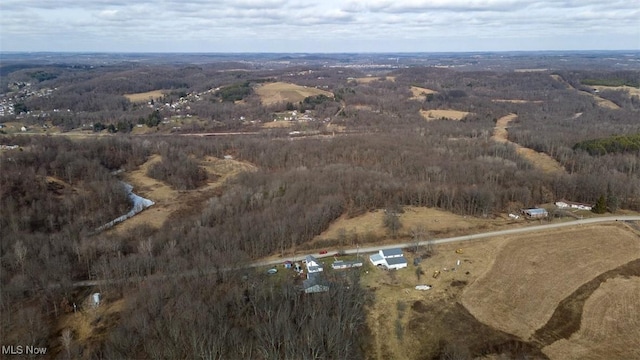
(601, 205)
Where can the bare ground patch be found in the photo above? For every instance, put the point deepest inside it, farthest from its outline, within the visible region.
(145, 96)
(610, 326)
(521, 291)
(431, 115)
(273, 93)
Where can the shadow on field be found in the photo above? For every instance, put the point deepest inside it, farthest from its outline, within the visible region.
(449, 331)
(567, 317)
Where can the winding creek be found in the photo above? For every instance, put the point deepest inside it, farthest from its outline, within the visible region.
(139, 204)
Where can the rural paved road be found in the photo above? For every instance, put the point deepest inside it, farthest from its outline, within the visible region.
(370, 249)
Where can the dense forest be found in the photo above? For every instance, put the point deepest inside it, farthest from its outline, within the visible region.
(55, 191)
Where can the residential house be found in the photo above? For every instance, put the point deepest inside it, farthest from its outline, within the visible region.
(314, 282)
(565, 204)
(389, 259)
(340, 264)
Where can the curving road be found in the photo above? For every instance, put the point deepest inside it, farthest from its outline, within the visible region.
(370, 249)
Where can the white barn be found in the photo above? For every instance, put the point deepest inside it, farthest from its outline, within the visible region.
(390, 259)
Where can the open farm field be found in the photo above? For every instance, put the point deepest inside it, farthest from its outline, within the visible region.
(145, 96)
(505, 289)
(431, 115)
(533, 273)
(276, 92)
(409, 324)
(610, 327)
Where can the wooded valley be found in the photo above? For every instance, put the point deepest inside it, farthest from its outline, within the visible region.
(367, 147)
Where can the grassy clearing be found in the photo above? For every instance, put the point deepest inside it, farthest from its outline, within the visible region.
(89, 326)
(169, 201)
(435, 221)
(533, 279)
(517, 101)
(431, 115)
(610, 325)
(599, 101)
(542, 161)
(273, 93)
(370, 79)
(420, 93)
(633, 91)
(145, 96)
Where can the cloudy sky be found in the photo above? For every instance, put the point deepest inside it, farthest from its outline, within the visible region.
(318, 25)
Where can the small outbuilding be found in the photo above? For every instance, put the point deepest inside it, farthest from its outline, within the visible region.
(535, 213)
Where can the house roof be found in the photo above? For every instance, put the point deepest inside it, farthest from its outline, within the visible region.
(376, 257)
(535, 211)
(313, 279)
(310, 258)
(392, 252)
(396, 260)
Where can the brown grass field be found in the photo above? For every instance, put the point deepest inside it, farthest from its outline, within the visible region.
(419, 93)
(437, 222)
(517, 101)
(516, 281)
(278, 124)
(610, 326)
(273, 93)
(542, 161)
(631, 90)
(426, 317)
(145, 96)
(169, 201)
(369, 79)
(531, 274)
(431, 115)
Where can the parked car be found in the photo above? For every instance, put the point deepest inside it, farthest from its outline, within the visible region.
(322, 252)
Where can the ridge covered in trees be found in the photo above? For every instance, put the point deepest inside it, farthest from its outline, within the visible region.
(367, 149)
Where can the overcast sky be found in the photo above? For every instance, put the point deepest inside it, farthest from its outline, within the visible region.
(318, 25)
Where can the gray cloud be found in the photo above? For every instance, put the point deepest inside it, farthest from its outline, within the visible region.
(329, 25)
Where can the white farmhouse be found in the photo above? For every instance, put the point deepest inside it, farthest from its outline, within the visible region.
(390, 259)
